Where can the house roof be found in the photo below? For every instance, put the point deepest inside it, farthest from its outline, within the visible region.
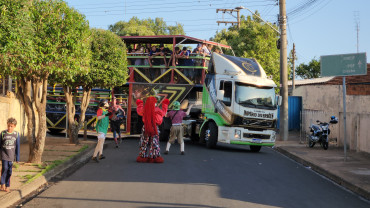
(337, 80)
(320, 80)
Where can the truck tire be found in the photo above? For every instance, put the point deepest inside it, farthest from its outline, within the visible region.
(255, 148)
(211, 135)
(194, 136)
(55, 131)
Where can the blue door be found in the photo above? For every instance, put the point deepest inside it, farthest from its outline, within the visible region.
(294, 113)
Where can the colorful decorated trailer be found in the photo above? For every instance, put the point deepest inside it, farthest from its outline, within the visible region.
(178, 79)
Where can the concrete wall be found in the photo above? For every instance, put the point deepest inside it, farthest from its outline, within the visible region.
(10, 106)
(363, 142)
(322, 101)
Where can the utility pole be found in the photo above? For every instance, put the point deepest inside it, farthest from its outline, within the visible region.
(293, 62)
(230, 11)
(284, 73)
(357, 22)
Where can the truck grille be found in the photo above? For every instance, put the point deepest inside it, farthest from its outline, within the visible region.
(256, 136)
(258, 122)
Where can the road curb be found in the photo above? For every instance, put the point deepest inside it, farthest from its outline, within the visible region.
(337, 179)
(56, 173)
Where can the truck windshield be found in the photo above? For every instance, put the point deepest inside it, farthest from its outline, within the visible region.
(253, 96)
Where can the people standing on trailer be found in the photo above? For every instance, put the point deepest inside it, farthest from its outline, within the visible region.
(188, 72)
(176, 131)
(101, 129)
(154, 61)
(178, 61)
(116, 120)
(149, 139)
(206, 52)
(198, 62)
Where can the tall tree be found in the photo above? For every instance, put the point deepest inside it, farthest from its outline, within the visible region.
(107, 68)
(254, 39)
(109, 63)
(52, 42)
(312, 70)
(145, 27)
(19, 59)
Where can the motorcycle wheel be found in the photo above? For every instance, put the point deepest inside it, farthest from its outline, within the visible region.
(311, 143)
(325, 145)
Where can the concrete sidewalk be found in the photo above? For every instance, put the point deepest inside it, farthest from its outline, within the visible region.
(353, 174)
(27, 178)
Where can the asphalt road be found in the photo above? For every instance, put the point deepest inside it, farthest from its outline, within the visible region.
(222, 177)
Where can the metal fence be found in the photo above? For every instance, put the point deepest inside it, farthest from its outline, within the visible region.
(6, 84)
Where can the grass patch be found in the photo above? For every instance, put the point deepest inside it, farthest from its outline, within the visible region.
(50, 150)
(15, 166)
(83, 148)
(53, 164)
(27, 171)
(27, 177)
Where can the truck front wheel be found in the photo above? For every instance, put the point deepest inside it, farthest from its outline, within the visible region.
(211, 135)
(255, 148)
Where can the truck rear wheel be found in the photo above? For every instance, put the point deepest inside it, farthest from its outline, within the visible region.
(254, 148)
(55, 131)
(211, 135)
(194, 136)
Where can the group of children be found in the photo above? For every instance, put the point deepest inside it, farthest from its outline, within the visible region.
(149, 141)
(162, 56)
(152, 117)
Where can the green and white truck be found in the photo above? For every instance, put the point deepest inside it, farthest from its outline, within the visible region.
(239, 104)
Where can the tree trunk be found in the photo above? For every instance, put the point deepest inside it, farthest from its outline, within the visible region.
(75, 126)
(33, 95)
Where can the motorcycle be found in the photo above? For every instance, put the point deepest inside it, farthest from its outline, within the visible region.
(320, 133)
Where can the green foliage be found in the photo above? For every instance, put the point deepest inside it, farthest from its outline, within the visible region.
(256, 40)
(312, 70)
(64, 38)
(145, 27)
(44, 38)
(109, 62)
(17, 53)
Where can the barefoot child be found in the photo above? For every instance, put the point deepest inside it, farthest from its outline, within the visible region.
(9, 148)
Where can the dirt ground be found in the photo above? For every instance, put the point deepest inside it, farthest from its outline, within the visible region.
(57, 150)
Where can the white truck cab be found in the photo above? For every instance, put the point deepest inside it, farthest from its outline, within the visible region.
(239, 103)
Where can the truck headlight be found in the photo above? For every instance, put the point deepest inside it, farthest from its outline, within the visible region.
(237, 134)
(273, 136)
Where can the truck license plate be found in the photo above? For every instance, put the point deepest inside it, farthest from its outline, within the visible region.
(258, 141)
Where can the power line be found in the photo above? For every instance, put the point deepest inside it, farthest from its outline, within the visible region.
(303, 16)
(149, 6)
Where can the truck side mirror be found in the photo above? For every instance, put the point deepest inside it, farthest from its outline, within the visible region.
(220, 94)
(279, 100)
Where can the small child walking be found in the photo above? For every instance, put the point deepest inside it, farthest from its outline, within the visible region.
(101, 128)
(9, 148)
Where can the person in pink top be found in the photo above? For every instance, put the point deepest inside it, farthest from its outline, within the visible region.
(116, 119)
(176, 131)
